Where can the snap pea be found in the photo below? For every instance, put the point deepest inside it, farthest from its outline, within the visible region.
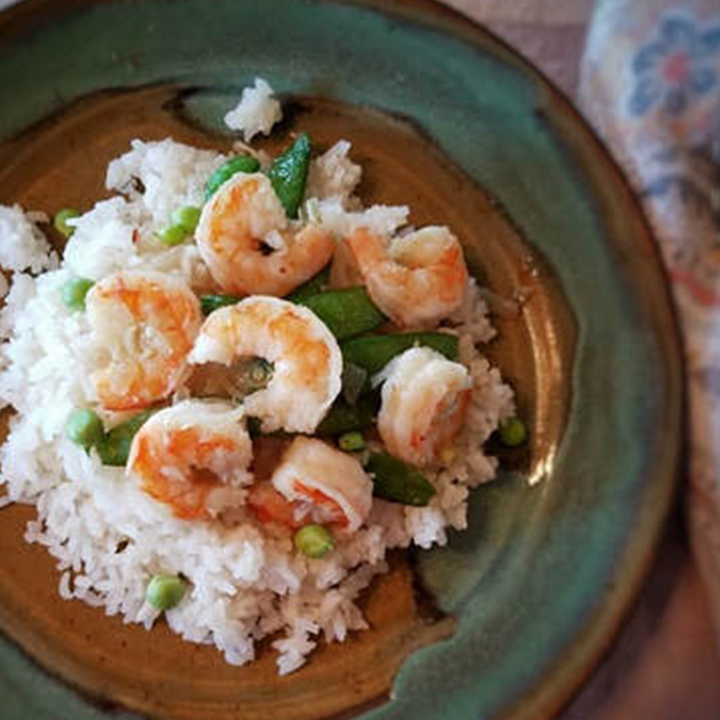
(346, 312)
(288, 174)
(187, 217)
(375, 351)
(316, 284)
(397, 482)
(342, 418)
(209, 303)
(114, 448)
(239, 163)
(354, 380)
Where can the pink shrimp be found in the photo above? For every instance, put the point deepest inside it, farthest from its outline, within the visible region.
(144, 325)
(193, 457)
(417, 279)
(249, 245)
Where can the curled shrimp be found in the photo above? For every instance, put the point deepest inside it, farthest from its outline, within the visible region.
(144, 325)
(417, 279)
(424, 400)
(249, 245)
(305, 363)
(193, 457)
(323, 484)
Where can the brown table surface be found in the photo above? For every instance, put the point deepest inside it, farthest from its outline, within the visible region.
(665, 664)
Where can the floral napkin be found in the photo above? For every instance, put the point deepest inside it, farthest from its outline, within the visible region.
(650, 83)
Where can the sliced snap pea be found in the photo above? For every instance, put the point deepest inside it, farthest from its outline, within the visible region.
(252, 374)
(254, 428)
(342, 418)
(239, 163)
(397, 482)
(210, 303)
(314, 541)
(316, 284)
(288, 174)
(73, 292)
(354, 381)
(114, 448)
(373, 352)
(346, 312)
(60, 221)
(165, 591)
(85, 428)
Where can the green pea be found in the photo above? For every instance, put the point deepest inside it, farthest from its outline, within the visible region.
(165, 591)
(74, 291)
(513, 432)
(351, 442)
(210, 303)
(397, 482)
(85, 428)
(288, 174)
(314, 541)
(346, 312)
(172, 235)
(187, 217)
(61, 218)
(239, 163)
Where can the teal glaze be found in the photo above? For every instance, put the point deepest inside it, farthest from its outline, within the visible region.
(540, 580)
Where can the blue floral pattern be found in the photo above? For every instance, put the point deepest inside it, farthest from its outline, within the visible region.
(675, 66)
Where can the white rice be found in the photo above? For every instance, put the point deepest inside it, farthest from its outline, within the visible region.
(108, 536)
(257, 111)
(22, 244)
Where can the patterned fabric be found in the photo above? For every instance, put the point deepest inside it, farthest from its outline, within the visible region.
(650, 84)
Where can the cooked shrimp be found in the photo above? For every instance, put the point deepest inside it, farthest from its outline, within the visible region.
(324, 484)
(270, 506)
(344, 271)
(417, 279)
(144, 325)
(424, 400)
(249, 245)
(193, 457)
(305, 360)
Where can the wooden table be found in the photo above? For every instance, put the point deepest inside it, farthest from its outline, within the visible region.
(665, 664)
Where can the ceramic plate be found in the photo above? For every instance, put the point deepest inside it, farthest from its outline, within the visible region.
(509, 618)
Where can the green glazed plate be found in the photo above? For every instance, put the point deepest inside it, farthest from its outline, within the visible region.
(508, 619)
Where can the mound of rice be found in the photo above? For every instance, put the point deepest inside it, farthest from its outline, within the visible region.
(110, 538)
